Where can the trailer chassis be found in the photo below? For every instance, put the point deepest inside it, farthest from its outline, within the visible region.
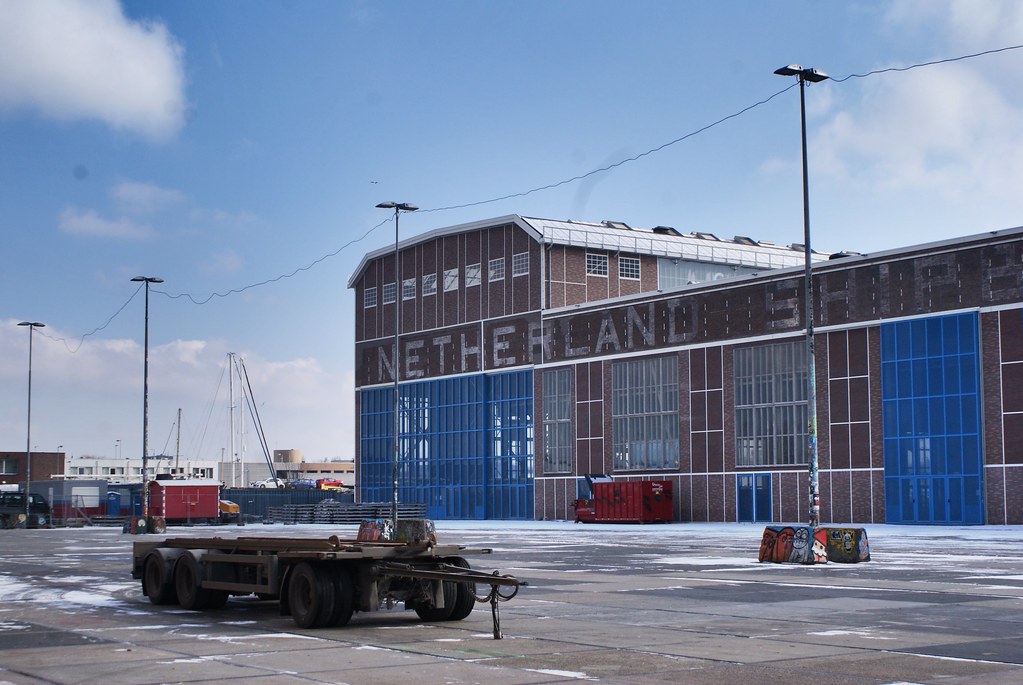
(321, 582)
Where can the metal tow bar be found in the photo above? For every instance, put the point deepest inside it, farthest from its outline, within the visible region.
(457, 574)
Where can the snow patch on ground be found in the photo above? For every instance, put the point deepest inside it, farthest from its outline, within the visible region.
(560, 674)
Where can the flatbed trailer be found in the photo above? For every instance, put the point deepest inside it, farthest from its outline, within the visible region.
(320, 582)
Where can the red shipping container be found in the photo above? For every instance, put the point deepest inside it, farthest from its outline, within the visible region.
(184, 500)
(637, 501)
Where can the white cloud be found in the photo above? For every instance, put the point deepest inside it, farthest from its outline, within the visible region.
(944, 130)
(88, 223)
(88, 400)
(223, 218)
(83, 59)
(227, 261)
(975, 22)
(136, 197)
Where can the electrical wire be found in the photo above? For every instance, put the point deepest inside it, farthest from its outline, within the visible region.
(300, 269)
(524, 193)
(927, 64)
(81, 338)
(617, 164)
(608, 167)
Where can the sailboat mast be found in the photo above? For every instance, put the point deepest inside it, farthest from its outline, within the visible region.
(177, 449)
(230, 374)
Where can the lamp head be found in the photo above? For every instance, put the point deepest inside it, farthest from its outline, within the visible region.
(401, 206)
(807, 74)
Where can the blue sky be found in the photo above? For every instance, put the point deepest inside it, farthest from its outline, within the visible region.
(221, 144)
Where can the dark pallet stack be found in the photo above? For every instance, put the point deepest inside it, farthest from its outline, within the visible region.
(331, 511)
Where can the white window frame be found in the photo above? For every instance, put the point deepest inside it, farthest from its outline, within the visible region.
(771, 408)
(472, 275)
(557, 420)
(495, 269)
(520, 264)
(369, 297)
(390, 293)
(408, 289)
(429, 284)
(450, 280)
(629, 268)
(644, 414)
(596, 264)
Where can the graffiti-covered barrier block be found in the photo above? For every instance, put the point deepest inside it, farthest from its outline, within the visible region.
(848, 545)
(794, 545)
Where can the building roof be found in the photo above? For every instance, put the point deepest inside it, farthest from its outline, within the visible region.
(664, 241)
(660, 241)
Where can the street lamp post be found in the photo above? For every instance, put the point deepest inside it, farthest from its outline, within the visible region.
(812, 76)
(145, 401)
(398, 208)
(32, 325)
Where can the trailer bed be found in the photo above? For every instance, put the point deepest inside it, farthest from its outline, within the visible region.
(320, 581)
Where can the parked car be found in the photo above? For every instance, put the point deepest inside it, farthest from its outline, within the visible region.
(303, 484)
(12, 510)
(331, 484)
(267, 483)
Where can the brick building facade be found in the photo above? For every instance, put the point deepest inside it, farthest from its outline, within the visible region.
(535, 353)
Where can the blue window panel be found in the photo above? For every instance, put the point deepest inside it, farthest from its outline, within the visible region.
(902, 349)
(952, 375)
(447, 456)
(936, 415)
(938, 463)
(891, 464)
(967, 374)
(934, 338)
(905, 371)
(950, 328)
(931, 420)
(955, 499)
(918, 337)
(905, 424)
(940, 514)
(919, 367)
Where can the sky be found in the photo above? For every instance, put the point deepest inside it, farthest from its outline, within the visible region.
(238, 150)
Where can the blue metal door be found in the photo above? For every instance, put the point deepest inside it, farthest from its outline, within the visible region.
(931, 420)
(753, 497)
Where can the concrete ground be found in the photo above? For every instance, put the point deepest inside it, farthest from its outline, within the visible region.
(679, 603)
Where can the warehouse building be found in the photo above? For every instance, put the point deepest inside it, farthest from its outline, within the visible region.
(536, 354)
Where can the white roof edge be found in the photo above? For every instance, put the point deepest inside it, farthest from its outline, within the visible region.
(440, 232)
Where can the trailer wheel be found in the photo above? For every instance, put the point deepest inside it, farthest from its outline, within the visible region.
(432, 613)
(187, 579)
(344, 596)
(216, 599)
(310, 595)
(157, 583)
(465, 598)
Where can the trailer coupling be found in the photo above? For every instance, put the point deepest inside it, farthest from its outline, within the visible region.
(457, 574)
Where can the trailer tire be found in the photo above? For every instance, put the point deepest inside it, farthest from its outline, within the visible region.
(432, 613)
(216, 599)
(158, 580)
(310, 595)
(465, 597)
(344, 596)
(187, 583)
